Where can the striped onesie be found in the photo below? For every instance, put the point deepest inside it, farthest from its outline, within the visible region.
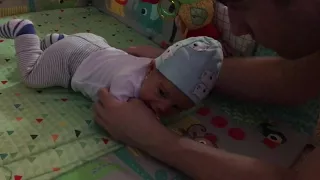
(84, 62)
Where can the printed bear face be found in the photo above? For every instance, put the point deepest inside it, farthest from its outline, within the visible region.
(166, 54)
(171, 50)
(208, 78)
(200, 91)
(199, 46)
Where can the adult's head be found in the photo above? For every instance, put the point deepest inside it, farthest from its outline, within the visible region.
(290, 27)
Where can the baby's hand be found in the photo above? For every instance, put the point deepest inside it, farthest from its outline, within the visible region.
(144, 51)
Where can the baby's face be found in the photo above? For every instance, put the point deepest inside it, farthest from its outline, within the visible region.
(163, 97)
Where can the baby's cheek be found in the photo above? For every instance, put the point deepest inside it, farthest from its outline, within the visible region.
(145, 95)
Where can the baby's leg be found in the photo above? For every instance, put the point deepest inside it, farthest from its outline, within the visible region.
(50, 39)
(16, 27)
(33, 64)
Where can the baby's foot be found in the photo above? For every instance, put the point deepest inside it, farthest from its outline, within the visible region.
(50, 39)
(16, 27)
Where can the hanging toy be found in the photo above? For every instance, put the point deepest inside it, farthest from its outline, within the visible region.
(192, 17)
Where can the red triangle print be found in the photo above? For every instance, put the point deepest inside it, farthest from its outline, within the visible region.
(18, 94)
(18, 118)
(105, 141)
(17, 177)
(39, 120)
(64, 99)
(55, 169)
(1, 40)
(61, 10)
(54, 137)
(4, 82)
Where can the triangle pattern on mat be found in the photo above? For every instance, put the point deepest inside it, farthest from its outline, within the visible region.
(105, 141)
(62, 123)
(54, 137)
(83, 144)
(39, 120)
(17, 177)
(55, 169)
(31, 159)
(59, 152)
(77, 132)
(31, 147)
(33, 136)
(64, 99)
(88, 122)
(17, 105)
(3, 156)
(97, 140)
(13, 155)
(19, 118)
(10, 132)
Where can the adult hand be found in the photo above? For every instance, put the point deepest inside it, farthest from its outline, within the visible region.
(130, 122)
(144, 51)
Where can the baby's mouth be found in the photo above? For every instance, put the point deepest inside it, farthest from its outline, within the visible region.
(150, 107)
(154, 111)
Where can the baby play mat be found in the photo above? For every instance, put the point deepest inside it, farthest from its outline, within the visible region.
(47, 132)
(50, 132)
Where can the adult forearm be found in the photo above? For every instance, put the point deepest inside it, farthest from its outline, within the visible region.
(273, 79)
(202, 162)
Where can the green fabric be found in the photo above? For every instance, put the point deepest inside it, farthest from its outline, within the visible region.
(48, 132)
(41, 5)
(262, 51)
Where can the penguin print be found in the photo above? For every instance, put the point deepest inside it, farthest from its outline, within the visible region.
(272, 138)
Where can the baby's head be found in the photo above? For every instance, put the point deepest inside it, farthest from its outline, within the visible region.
(182, 76)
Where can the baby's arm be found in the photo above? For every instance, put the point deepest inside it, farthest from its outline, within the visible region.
(89, 90)
(144, 51)
(121, 91)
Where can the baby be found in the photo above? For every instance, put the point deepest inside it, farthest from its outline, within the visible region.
(177, 80)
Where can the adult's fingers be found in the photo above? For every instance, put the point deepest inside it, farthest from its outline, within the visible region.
(98, 115)
(135, 100)
(106, 99)
(101, 123)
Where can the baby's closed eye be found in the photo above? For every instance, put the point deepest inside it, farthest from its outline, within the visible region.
(162, 93)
